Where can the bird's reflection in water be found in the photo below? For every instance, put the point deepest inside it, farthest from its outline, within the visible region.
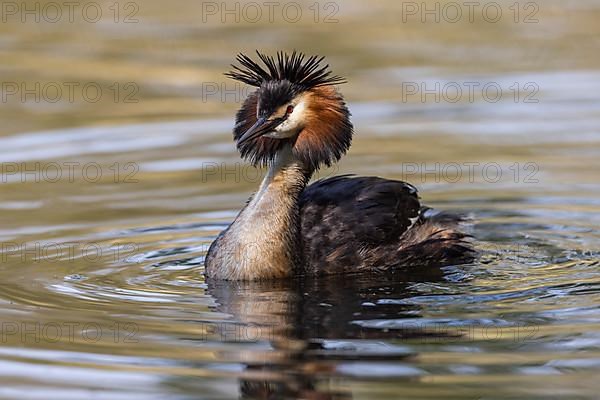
(310, 325)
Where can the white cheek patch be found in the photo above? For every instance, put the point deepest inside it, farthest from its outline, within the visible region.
(292, 125)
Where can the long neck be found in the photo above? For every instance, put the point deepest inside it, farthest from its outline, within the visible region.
(262, 242)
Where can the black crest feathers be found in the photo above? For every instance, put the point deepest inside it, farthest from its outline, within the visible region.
(306, 72)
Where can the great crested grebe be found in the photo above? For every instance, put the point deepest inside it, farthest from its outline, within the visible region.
(295, 122)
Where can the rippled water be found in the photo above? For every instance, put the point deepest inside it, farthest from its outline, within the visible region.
(101, 276)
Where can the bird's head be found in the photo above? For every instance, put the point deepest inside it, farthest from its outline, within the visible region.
(295, 103)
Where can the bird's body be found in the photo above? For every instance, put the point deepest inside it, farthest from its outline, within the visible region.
(295, 122)
(359, 224)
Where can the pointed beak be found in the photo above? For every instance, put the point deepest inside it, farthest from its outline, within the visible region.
(261, 127)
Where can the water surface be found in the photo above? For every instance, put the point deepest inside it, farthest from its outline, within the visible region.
(101, 276)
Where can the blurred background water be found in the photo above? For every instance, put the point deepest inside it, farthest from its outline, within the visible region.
(118, 170)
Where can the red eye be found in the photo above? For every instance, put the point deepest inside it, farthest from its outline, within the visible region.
(289, 109)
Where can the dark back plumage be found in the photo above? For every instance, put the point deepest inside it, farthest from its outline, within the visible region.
(356, 224)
